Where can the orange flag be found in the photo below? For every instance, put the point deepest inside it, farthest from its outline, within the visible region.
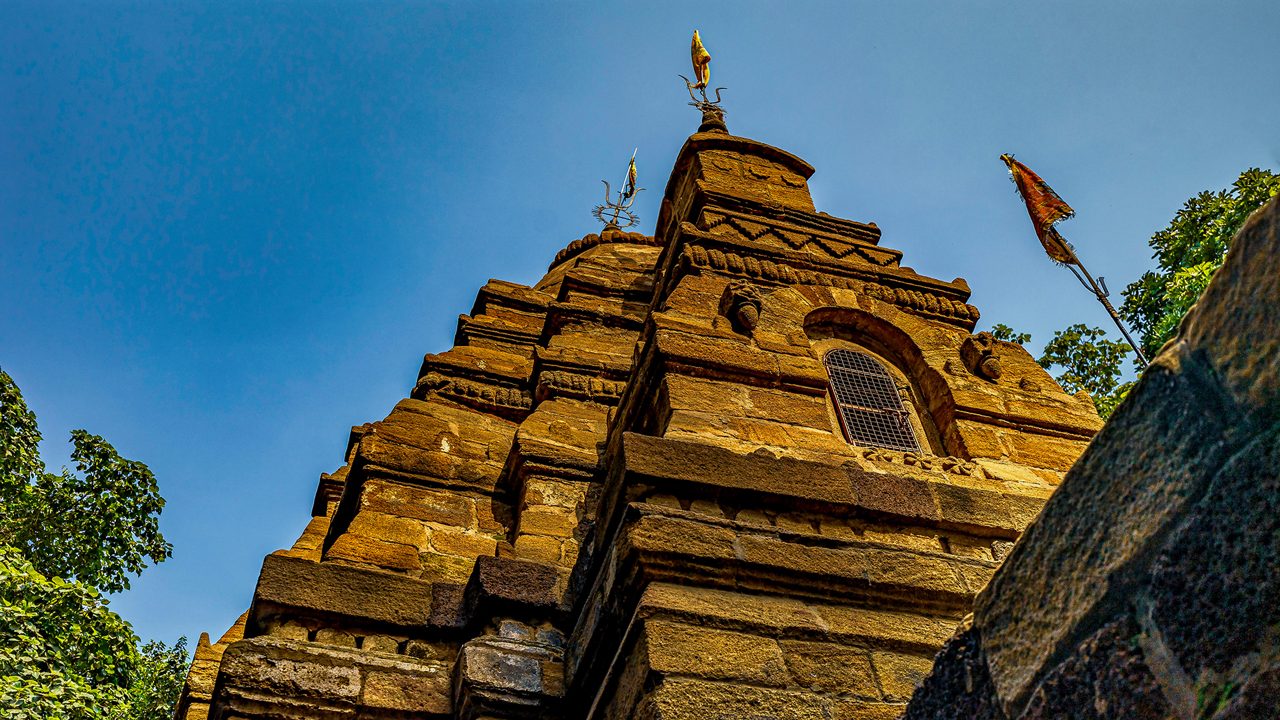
(1045, 208)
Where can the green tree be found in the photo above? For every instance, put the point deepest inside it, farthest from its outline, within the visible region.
(65, 539)
(1089, 362)
(1188, 252)
(1008, 334)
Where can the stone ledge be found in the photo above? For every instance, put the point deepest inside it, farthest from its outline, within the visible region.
(269, 677)
(333, 590)
(663, 462)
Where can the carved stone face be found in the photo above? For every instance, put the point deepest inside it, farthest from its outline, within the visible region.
(990, 367)
(747, 315)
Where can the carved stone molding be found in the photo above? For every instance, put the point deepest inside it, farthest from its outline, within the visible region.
(608, 236)
(795, 238)
(474, 393)
(914, 301)
(950, 465)
(553, 383)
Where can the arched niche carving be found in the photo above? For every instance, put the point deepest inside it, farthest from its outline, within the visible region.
(841, 328)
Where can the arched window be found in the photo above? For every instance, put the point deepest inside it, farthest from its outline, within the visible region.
(867, 399)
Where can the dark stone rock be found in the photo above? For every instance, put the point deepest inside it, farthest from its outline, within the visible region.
(959, 687)
(1259, 698)
(1215, 586)
(1083, 558)
(1104, 678)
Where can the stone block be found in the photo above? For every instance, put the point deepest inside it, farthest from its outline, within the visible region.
(883, 627)
(548, 520)
(409, 501)
(713, 654)
(385, 644)
(462, 543)
(693, 699)
(446, 568)
(538, 548)
(831, 668)
(541, 491)
(666, 460)
(326, 588)
(923, 575)
(659, 534)
(898, 495)
(338, 638)
(726, 608)
(389, 528)
(831, 564)
(421, 693)
(899, 674)
(291, 674)
(789, 407)
(364, 550)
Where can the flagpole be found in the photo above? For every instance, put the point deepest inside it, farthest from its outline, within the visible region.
(1099, 293)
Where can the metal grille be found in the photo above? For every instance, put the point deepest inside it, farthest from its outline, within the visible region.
(870, 408)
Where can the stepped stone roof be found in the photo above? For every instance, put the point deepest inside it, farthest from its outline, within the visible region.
(626, 492)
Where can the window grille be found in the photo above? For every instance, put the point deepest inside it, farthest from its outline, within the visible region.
(871, 410)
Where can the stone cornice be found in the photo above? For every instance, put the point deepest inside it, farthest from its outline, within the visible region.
(577, 247)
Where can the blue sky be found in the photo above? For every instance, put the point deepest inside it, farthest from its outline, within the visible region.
(229, 231)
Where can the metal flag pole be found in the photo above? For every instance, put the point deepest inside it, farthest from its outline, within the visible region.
(1099, 290)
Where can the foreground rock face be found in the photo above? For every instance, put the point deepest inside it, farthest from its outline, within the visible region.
(626, 492)
(1149, 588)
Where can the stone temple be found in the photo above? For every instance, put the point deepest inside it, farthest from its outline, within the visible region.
(750, 466)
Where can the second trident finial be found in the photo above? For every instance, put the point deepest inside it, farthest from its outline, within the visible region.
(712, 113)
(617, 213)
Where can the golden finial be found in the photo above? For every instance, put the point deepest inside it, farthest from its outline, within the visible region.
(712, 113)
(701, 62)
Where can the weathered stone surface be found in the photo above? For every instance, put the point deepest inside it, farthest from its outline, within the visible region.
(1140, 474)
(1106, 676)
(306, 587)
(713, 654)
(832, 668)
(1220, 570)
(958, 687)
(635, 467)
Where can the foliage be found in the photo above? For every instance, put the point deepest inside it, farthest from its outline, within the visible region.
(66, 538)
(1008, 334)
(97, 525)
(63, 654)
(1089, 362)
(1187, 253)
(157, 680)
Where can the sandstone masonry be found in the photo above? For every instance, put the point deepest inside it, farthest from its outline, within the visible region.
(626, 492)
